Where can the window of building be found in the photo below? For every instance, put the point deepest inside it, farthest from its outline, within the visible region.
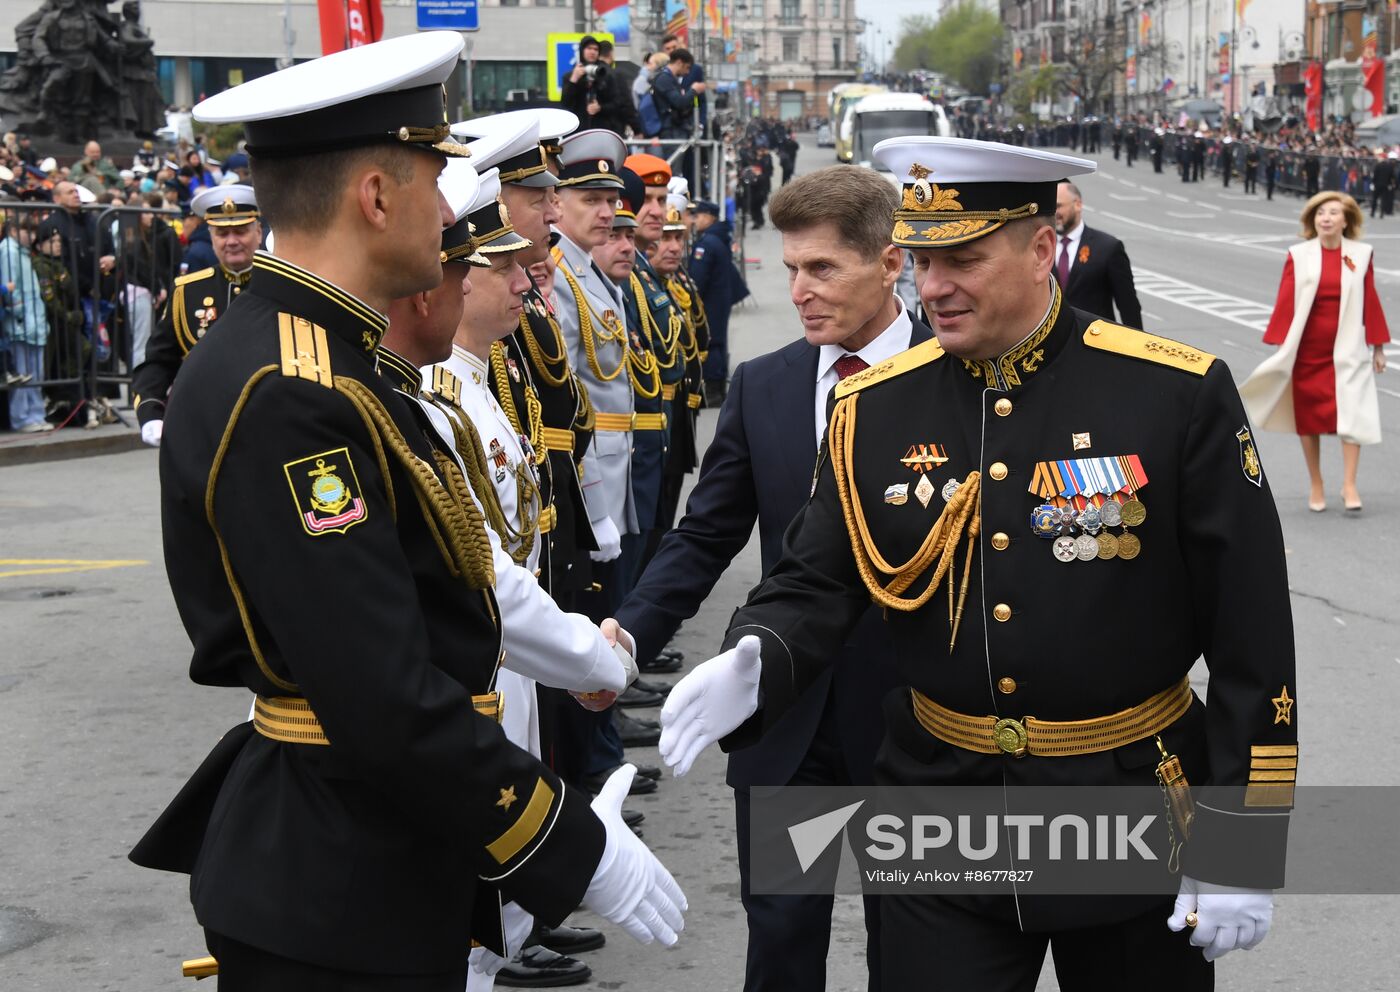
(835, 8)
(836, 51)
(789, 48)
(755, 8)
(821, 8)
(497, 86)
(510, 3)
(790, 11)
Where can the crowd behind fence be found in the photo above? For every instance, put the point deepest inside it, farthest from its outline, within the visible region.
(81, 288)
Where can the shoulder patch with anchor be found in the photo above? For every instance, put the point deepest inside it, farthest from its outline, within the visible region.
(305, 353)
(1121, 340)
(920, 354)
(326, 492)
(190, 277)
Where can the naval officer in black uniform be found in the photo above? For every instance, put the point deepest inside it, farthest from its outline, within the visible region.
(368, 822)
(198, 299)
(1039, 643)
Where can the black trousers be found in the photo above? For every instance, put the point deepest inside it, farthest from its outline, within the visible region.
(1251, 179)
(248, 969)
(789, 935)
(930, 942)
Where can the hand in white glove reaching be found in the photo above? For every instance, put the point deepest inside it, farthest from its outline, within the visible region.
(624, 647)
(517, 924)
(631, 887)
(710, 702)
(609, 540)
(1227, 917)
(151, 431)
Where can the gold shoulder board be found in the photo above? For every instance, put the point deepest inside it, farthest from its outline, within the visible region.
(447, 385)
(920, 354)
(304, 350)
(190, 277)
(1149, 347)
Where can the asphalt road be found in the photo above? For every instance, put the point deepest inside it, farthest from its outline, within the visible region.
(99, 725)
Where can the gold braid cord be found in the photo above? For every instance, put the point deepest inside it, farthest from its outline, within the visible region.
(589, 332)
(544, 364)
(456, 526)
(473, 454)
(533, 410)
(662, 344)
(960, 516)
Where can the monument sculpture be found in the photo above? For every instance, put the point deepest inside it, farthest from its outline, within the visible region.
(82, 72)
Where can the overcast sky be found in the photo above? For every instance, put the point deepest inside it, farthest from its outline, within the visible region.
(887, 14)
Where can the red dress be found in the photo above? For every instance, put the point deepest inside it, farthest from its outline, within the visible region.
(1314, 376)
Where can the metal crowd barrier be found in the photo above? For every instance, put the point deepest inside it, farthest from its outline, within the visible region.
(95, 324)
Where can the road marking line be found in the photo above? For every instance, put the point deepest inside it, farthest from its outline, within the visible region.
(61, 566)
(1208, 206)
(1278, 220)
(1178, 199)
(1120, 196)
(1129, 182)
(1155, 318)
(1174, 213)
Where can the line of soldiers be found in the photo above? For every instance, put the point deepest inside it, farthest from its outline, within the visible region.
(480, 462)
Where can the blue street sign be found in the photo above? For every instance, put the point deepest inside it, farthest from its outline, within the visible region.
(451, 15)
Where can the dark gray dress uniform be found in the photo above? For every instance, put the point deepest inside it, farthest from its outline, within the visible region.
(198, 300)
(1057, 622)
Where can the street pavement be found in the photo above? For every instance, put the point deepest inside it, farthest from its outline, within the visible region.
(99, 724)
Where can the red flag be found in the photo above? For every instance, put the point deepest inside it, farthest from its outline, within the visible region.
(349, 23)
(1312, 88)
(1373, 80)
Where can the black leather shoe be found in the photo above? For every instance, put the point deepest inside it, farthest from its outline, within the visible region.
(645, 685)
(660, 666)
(633, 819)
(636, 733)
(571, 940)
(648, 771)
(640, 786)
(671, 654)
(632, 696)
(540, 968)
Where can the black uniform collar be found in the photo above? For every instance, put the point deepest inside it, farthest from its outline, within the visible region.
(1036, 350)
(236, 278)
(319, 301)
(399, 372)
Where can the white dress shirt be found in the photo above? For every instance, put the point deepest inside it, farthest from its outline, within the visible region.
(888, 343)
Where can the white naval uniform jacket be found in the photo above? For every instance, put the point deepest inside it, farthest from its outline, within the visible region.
(607, 464)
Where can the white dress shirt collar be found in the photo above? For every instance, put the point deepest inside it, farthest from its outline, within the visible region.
(888, 343)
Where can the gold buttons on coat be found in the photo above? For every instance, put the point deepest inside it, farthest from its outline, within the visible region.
(1002, 612)
(1002, 407)
(997, 471)
(1001, 541)
(1007, 685)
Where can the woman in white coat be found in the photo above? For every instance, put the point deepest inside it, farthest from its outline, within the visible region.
(1331, 334)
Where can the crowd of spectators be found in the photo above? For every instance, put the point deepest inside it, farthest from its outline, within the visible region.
(81, 284)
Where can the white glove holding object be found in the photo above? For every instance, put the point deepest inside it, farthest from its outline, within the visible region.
(710, 702)
(151, 431)
(1227, 917)
(608, 539)
(631, 887)
(623, 647)
(518, 924)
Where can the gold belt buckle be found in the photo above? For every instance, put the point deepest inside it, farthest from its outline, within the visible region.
(1010, 735)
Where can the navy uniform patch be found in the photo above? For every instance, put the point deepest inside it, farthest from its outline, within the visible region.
(326, 492)
(699, 251)
(1249, 457)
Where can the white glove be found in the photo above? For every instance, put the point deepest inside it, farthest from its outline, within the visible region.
(151, 431)
(1228, 917)
(609, 540)
(631, 887)
(623, 647)
(710, 702)
(518, 925)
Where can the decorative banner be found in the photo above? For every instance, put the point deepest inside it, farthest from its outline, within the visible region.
(1144, 26)
(349, 24)
(1373, 80)
(1224, 53)
(678, 19)
(712, 13)
(1368, 37)
(1017, 56)
(1130, 69)
(1312, 87)
(615, 16)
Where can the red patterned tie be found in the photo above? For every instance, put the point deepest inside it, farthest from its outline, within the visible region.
(1062, 269)
(849, 365)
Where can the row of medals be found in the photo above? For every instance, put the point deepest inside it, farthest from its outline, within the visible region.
(1058, 524)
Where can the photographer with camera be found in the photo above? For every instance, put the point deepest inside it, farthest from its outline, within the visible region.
(590, 91)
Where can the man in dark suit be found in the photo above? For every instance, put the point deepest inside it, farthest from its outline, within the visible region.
(1092, 266)
(836, 245)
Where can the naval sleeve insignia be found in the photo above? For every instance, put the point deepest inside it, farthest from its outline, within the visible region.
(1249, 457)
(326, 492)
